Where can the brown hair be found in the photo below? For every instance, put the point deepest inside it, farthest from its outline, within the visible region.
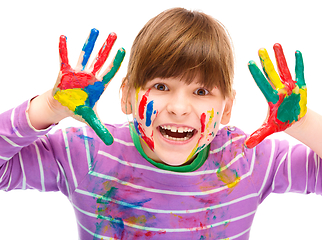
(185, 44)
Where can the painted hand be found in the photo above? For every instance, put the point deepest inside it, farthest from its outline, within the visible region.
(286, 98)
(79, 89)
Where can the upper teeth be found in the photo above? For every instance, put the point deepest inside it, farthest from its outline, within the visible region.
(179, 129)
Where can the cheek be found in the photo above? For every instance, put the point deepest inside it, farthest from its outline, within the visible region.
(146, 112)
(144, 115)
(209, 122)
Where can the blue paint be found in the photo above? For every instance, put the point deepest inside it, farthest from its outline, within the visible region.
(138, 204)
(89, 45)
(81, 136)
(200, 148)
(94, 93)
(148, 112)
(136, 125)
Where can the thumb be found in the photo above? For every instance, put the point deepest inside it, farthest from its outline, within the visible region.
(93, 121)
(259, 135)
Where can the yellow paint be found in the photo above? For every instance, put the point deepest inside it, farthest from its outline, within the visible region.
(71, 98)
(192, 153)
(303, 102)
(230, 178)
(141, 220)
(270, 70)
(211, 117)
(136, 100)
(175, 215)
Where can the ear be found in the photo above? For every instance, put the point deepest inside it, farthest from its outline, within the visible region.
(125, 100)
(227, 110)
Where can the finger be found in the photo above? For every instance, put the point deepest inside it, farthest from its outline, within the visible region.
(63, 53)
(103, 53)
(284, 72)
(87, 49)
(259, 135)
(265, 87)
(115, 66)
(92, 120)
(269, 69)
(299, 70)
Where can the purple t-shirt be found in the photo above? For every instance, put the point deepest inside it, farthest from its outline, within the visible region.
(117, 193)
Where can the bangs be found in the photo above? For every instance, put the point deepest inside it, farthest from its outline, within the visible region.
(186, 45)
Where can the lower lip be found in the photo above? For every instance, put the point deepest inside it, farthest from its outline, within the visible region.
(174, 142)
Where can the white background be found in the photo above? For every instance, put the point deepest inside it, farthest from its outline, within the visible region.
(29, 66)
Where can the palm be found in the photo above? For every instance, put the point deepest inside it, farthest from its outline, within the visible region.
(286, 98)
(80, 90)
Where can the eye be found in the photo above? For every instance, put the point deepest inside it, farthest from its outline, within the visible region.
(161, 87)
(201, 92)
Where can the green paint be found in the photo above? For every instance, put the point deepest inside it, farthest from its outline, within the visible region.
(270, 94)
(299, 69)
(90, 117)
(105, 199)
(116, 65)
(289, 109)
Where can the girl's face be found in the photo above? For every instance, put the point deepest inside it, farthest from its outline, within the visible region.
(174, 120)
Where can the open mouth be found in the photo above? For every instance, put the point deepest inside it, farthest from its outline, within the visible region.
(177, 133)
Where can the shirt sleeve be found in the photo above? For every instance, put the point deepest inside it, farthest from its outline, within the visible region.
(32, 159)
(281, 168)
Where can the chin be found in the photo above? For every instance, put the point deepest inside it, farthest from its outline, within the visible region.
(174, 163)
(174, 160)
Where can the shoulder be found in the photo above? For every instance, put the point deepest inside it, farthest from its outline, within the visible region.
(229, 136)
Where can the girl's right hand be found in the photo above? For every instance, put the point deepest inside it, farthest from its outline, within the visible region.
(77, 90)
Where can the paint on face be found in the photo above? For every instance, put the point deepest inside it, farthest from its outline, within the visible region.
(202, 122)
(136, 100)
(200, 144)
(139, 129)
(149, 112)
(145, 113)
(143, 104)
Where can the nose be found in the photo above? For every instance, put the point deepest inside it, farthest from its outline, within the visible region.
(179, 105)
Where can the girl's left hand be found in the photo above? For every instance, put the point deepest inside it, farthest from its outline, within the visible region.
(286, 98)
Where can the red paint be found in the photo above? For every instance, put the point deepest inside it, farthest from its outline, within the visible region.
(63, 53)
(283, 70)
(70, 79)
(271, 125)
(147, 140)
(202, 121)
(151, 234)
(143, 103)
(104, 52)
